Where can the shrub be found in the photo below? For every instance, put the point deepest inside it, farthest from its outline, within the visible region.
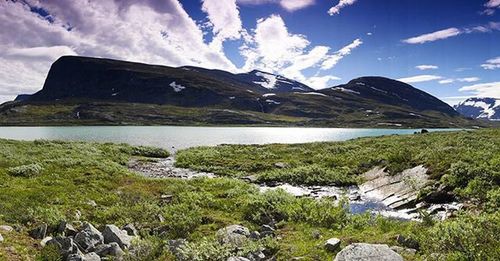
(150, 152)
(26, 171)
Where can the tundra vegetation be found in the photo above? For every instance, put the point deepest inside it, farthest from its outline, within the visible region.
(44, 182)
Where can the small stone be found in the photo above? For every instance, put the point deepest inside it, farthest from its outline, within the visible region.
(166, 198)
(316, 234)
(161, 218)
(1, 238)
(91, 203)
(256, 256)
(254, 235)
(78, 215)
(39, 232)
(111, 249)
(6, 228)
(131, 230)
(44, 241)
(332, 244)
(233, 235)
(280, 165)
(112, 234)
(66, 229)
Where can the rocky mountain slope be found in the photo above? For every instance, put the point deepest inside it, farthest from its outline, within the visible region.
(480, 108)
(84, 90)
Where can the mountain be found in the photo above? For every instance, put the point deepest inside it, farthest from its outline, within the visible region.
(85, 90)
(480, 108)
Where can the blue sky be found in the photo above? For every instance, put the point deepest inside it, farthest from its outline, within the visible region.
(449, 48)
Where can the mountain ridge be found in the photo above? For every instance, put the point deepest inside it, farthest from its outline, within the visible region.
(364, 101)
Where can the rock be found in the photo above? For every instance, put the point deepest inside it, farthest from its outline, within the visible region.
(424, 131)
(111, 249)
(255, 235)
(256, 256)
(87, 257)
(266, 230)
(78, 215)
(1, 238)
(161, 218)
(407, 242)
(6, 228)
(367, 252)
(233, 235)
(238, 258)
(66, 229)
(280, 165)
(65, 245)
(396, 191)
(131, 230)
(316, 234)
(165, 198)
(44, 241)
(403, 250)
(112, 234)
(39, 232)
(89, 237)
(439, 194)
(75, 257)
(332, 244)
(91, 203)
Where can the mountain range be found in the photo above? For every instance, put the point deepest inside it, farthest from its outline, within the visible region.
(480, 108)
(85, 90)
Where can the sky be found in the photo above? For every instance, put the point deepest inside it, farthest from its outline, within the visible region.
(449, 48)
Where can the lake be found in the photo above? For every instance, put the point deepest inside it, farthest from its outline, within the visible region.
(180, 137)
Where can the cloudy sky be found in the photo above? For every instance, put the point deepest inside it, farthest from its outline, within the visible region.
(449, 48)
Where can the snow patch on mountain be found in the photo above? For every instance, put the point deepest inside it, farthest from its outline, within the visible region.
(342, 89)
(269, 80)
(480, 108)
(177, 87)
(312, 93)
(268, 94)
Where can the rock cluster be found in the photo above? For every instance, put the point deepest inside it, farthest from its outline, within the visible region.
(86, 243)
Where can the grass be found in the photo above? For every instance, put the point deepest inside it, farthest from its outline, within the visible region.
(71, 174)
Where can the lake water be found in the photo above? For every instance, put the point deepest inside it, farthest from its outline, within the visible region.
(179, 137)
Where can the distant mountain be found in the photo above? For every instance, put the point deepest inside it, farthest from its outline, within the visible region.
(480, 108)
(84, 90)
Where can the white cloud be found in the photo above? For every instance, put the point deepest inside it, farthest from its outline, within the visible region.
(438, 35)
(491, 5)
(225, 19)
(158, 32)
(320, 82)
(342, 3)
(426, 67)
(452, 32)
(274, 49)
(446, 81)
(289, 5)
(491, 89)
(420, 78)
(333, 59)
(492, 64)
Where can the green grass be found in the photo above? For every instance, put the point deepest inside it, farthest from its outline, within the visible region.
(71, 174)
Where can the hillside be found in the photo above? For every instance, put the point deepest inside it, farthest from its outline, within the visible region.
(84, 90)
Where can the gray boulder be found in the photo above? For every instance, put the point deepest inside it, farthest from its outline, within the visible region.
(332, 244)
(6, 228)
(112, 234)
(367, 252)
(234, 235)
(266, 230)
(131, 230)
(65, 245)
(89, 237)
(111, 249)
(39, 232)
